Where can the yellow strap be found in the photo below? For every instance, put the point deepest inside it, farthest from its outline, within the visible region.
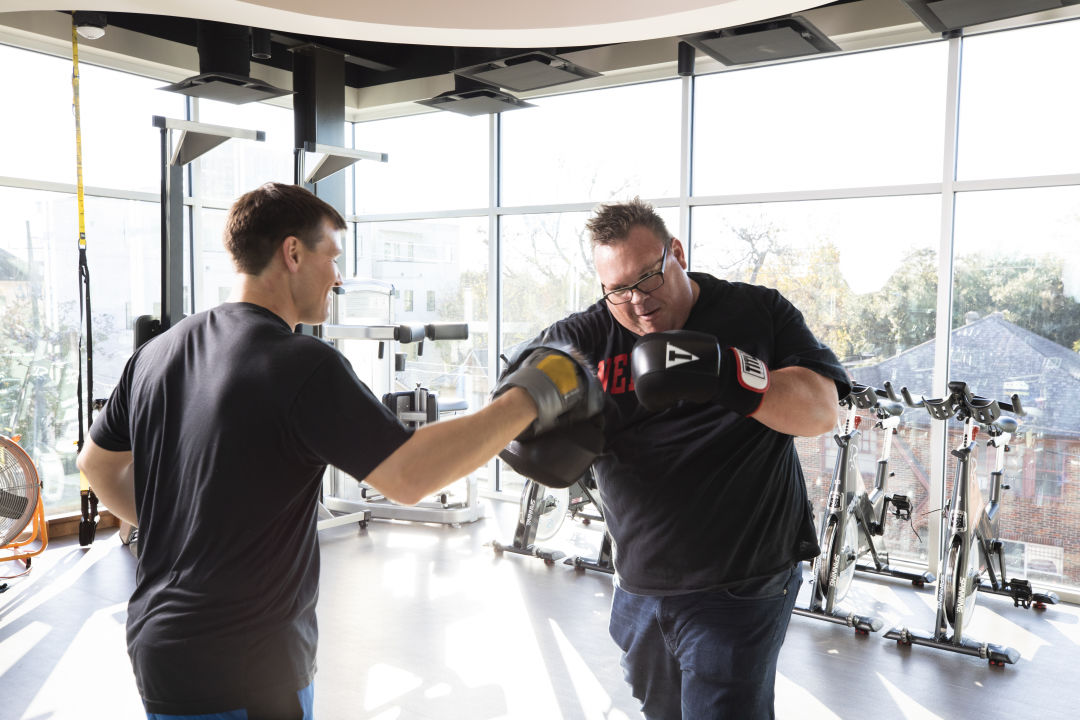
(78, 133)
(561, 370)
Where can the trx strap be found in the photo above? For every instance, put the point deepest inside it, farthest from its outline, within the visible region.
(87, 499)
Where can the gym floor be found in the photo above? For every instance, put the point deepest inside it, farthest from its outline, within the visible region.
(422, 621)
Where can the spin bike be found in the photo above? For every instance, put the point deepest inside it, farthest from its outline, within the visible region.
(542, 512)
(853, 518)
(972, 547)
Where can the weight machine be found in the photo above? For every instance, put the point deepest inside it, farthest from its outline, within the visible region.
(415, 408)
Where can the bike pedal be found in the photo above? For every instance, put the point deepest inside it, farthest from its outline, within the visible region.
(901, 506)
(1021, 593)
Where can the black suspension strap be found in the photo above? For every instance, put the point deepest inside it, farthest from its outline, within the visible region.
(87, 499)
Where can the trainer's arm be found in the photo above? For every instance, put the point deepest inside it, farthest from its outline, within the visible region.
(440, 453)
(799, 402)
(112, 477)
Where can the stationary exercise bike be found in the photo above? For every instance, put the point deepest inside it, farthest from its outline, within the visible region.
(972, 547)
(541, 513)
(853, 518)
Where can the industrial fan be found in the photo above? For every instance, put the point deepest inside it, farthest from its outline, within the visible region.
(22, 515)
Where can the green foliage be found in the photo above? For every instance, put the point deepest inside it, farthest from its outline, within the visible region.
(1028, 291)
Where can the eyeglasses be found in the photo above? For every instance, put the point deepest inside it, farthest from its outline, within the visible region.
(647, 284)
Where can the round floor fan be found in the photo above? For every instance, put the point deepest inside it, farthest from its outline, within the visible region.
(22, 515)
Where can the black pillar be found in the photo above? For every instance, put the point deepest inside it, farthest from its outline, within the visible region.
(319, 117)
(319, 111)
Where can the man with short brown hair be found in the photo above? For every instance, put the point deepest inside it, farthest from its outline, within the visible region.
(215, 441)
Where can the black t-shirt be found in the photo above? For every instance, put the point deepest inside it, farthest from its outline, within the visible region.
(698, 497)
(232, 419)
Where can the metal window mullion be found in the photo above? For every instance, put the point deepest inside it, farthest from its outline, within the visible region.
(939, 430)
(494, 304)
(686, 164)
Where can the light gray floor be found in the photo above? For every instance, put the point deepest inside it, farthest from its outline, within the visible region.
(425, 621)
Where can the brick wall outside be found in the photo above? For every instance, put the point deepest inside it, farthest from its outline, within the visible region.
(1024, 516)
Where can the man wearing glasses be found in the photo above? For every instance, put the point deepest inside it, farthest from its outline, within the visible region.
(702, 489)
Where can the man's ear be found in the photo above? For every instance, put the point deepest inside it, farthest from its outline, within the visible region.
(290, 252)
(678, 252)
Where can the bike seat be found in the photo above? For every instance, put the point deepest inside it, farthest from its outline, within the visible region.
(1007, 424)
(888, 408)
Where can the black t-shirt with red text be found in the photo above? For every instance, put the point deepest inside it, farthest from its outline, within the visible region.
(697, 497)
(232, 418)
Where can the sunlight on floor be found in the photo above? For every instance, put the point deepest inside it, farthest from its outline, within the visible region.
(990, 625)
(491, 647)
(400, 577)
(1067, 625)
(385, 684)
(794, 702)
(55, 585)
(595, 702)
(910, 708)
(77, 682)
(21, 643)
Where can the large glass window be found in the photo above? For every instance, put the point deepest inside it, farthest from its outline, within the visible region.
(120, 145)
(438, 270)
(236, 166)
(593, 146)
(1016, 330)
(547, 272)
(874, 118)
(39, 138)
(1018, 107)
(437, 161)
(864, 274)
(39, 301)
(215, 273)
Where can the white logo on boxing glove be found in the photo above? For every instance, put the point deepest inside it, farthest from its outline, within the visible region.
(751, 372)
(677, 356)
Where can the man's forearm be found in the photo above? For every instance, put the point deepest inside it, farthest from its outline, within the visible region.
(799, 402)
(112, 478)
(440, 453)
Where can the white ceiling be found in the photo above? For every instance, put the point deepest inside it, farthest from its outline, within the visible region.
(491, 23)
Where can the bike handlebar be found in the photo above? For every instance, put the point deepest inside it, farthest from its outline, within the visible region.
(866, 397)
(447, 331)
(962, 404)
(416, 332)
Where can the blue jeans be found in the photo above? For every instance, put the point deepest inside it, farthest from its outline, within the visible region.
(705, 654)
(302, 709)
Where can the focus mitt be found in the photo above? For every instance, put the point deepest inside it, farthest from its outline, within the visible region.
(562, 388)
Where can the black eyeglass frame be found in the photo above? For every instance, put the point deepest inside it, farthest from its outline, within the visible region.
(630, 289)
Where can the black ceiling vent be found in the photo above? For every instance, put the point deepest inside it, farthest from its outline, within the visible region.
(778, 39)
(473, 98)
(948, 15)
(224, 67)
(531, 71)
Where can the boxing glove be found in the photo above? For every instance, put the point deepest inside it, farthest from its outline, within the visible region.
(562, 388)
(683, 365)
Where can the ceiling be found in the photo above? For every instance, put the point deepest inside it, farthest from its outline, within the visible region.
(402, 52)
(392, 42)
(476, 23)
(367, 62)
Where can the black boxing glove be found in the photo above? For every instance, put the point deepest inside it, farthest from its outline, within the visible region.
(676, 365)
(564, 390)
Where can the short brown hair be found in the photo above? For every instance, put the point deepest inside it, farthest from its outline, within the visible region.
(261, 219)
(613, 222)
